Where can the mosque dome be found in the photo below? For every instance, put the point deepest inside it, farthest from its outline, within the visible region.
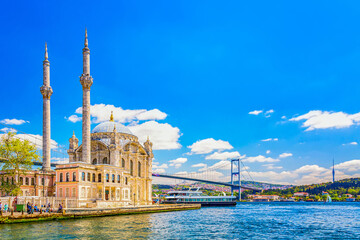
(109, 127)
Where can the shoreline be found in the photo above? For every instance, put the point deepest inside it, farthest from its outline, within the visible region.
(79, 213)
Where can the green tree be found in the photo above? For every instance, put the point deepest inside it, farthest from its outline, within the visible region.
(17, 157)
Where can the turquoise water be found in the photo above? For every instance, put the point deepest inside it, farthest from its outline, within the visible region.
(246, 220)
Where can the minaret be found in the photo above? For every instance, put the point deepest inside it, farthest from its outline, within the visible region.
(86, 82)
(46, 92)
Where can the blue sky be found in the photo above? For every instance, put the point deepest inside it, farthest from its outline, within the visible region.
(203, 66)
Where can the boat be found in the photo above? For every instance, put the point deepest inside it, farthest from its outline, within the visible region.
(198, 197)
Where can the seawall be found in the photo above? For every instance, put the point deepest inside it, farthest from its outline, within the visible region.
(93, 212)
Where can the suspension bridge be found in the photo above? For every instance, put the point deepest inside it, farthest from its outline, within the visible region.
(226, 173)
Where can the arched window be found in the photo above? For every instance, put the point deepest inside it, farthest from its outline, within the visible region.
(113, 178)
(93, 177)
(67, 177)
(83, 176)
(74, 176)
(89, 177)
(123, 163)
(131, 168)
(139, 169)
(118, 178)
(94, 161)
(105, 160)
(99, 177)
(107, 177)
(61, 178)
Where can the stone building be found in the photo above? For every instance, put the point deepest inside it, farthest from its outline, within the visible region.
(111, 167)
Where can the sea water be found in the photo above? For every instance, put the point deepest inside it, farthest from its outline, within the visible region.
(245, 221)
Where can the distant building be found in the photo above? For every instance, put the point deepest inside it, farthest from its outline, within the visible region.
(301, 194)
(264, 198)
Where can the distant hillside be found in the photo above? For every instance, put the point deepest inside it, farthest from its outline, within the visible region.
(336, 189)
(261, 185)
(264, 186)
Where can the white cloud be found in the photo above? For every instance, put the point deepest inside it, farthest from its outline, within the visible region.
(159, 170)
(163, 166)
(268, 152)
(74, 118)
(350, 166)
(199, 165)
(224, 155)
(101, 113)
(351, 143)
(6, 130)
(317, 119)
(13, 121)
(255, 112)
(268, 113)
(271, 166)
(163, 135)
(35, 139)
(208, 145)
(177, 162)
(285, 155)
(260, 158)
(283, 117)
(270, 139)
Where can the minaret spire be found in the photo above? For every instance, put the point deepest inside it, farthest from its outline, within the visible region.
(86, 38)
(46, 52)
(86, 82)
(46, 92)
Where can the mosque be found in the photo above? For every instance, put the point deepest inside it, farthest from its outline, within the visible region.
(110, 168)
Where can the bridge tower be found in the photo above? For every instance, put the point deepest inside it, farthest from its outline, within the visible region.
(235, 174)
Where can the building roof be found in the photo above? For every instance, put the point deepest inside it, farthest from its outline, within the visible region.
(109, 127)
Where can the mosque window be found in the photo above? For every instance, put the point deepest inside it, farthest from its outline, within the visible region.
(113, 178)
(67, 177)
(83, 176)
(74, 176)
(99, 177)
(89, 177)
(123, 163)
(131, 168)
(105, 160)
(139, 169)
(93, 177)
(94, 161)
(118, 178)
(61, 177)
(107, 177)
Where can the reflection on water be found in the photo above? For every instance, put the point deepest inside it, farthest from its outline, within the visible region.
(247, 220)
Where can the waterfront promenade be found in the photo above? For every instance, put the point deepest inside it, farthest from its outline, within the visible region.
(75, 213)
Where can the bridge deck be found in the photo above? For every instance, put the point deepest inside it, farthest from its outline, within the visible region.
(205, 181)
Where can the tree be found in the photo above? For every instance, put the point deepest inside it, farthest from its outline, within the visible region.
(17, 157)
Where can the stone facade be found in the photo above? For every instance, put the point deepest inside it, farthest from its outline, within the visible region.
(33, 183)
